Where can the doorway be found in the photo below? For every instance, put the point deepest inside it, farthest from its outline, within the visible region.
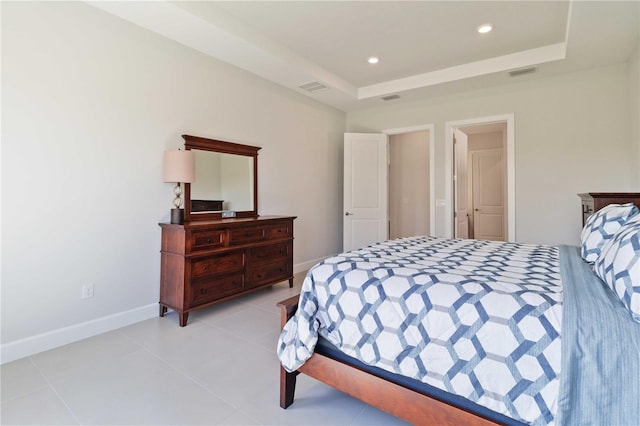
(413, 151)
(409, 195)
(485, 178)
(481, 172)
(411, 181)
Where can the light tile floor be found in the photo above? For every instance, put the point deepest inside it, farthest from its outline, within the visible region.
(221, 369)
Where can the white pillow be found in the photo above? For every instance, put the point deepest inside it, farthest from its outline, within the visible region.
(619, 265)
(602, 226)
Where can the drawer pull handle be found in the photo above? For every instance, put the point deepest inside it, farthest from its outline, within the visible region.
(208, 240)
(204, 268)
(203, 291)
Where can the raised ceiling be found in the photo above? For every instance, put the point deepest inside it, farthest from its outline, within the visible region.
(426, 48)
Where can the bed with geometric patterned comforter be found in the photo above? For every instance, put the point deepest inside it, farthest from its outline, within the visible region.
(478, 319)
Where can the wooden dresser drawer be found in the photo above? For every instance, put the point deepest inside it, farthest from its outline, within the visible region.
(207, 239)
(226, 262)
(204, 291)
(269, 272)
(247, 235)
(270, 253)
(278, 231)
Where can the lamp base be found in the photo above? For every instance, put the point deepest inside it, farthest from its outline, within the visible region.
(177, 216)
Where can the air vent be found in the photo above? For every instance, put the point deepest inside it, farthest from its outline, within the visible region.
(390, 97)
(312, 87)
(522, 71)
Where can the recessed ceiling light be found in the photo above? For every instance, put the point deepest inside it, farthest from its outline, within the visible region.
(485, 28)
(373, 60)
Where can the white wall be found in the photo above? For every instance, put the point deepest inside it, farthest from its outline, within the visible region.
(89, 103)
(479, 141)
(634, 110)
(572, 135)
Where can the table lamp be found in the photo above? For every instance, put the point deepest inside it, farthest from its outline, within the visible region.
(178, 167)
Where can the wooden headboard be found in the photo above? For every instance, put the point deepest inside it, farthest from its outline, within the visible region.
(594, 201)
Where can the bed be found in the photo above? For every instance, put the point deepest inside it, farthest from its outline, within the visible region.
(439, 331)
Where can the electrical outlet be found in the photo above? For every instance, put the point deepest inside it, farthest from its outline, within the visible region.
(87, 291)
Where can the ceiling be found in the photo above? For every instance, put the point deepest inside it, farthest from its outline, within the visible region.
(426, 48)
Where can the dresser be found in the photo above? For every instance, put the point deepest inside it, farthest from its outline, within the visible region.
(594, 201)
(206, 262)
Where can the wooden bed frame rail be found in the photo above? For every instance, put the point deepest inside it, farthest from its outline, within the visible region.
(409, 405)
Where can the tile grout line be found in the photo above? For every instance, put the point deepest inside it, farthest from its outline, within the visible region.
(55, 391)
(185, 375)
(259, 304)
(193, 379)
(29, 393)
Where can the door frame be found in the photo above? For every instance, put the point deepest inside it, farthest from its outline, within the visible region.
(509, 119)
(432, 174)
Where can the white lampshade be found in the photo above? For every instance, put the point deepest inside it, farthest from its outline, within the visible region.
(179, 166)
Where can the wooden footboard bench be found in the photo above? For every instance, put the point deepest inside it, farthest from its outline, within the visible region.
(412, 406)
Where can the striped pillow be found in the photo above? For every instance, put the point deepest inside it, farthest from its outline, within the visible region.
(602, 226)
(619, 265)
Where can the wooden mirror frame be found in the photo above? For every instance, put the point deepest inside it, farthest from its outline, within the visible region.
(213, 145)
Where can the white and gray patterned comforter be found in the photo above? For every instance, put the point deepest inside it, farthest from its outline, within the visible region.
(479, 319)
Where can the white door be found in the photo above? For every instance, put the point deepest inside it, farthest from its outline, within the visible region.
(460, 183)
(365, 189)
(488, 195)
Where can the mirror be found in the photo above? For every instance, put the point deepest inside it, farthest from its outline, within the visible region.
(223, 182)
(226, 180)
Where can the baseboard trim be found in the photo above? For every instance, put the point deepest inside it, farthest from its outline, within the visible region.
(52, 339)
(305, 266)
